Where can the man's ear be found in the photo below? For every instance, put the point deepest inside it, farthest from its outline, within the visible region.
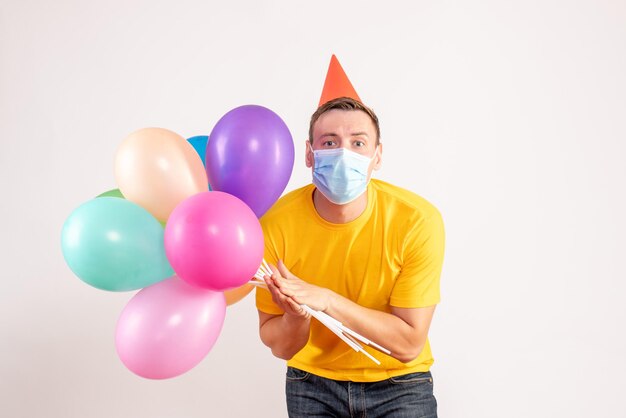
(379, 157)
(308, 154)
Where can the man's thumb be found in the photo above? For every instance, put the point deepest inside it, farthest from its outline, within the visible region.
(283, 270)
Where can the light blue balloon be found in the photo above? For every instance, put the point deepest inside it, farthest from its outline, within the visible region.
(114, 244)
(199, 144)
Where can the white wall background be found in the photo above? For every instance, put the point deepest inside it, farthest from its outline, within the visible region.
(508, 116)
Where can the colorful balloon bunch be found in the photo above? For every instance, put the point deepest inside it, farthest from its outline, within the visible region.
(191, 248)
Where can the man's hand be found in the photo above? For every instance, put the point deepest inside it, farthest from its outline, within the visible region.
(286, 303)
(297, 291)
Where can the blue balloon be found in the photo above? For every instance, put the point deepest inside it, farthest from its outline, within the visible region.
(114, 244)
(199, 144)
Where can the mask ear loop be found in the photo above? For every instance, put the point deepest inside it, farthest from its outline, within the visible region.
(372, 159)
(309, 148)
(376, 152)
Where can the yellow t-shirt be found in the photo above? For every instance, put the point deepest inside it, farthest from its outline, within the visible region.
(391, 255)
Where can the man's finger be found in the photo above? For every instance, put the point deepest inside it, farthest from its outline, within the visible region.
(295, 306)
(273, 269)
(285, 290)
(283, 269)
(281, 301)
(273, 290)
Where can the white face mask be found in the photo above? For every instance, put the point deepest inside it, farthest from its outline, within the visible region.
(340, 174)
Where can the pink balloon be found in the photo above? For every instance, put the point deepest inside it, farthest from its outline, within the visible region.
(168, 328)
(214, 240)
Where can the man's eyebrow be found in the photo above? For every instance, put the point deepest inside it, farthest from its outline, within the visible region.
(352, 134)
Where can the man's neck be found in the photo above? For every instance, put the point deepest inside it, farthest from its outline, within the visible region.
(339, 214)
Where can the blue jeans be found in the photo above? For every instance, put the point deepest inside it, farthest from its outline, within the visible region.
(407, 396)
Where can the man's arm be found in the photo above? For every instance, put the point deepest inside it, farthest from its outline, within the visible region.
(284, 334)
(403, 331)
(288, 333)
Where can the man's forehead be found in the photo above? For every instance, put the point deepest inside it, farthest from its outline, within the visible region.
(336, 121)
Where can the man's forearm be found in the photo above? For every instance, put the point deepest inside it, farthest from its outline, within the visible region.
(403, 340)
(285, 335)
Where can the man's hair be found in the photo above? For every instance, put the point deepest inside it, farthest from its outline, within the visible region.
(344, 103)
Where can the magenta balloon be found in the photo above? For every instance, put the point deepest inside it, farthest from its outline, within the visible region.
(214, 240)
(250, 155)
(168, 328)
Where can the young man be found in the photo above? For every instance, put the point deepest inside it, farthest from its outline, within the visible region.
(365, 252)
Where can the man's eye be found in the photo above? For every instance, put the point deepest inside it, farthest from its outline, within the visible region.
(328, 143)
(359, 143)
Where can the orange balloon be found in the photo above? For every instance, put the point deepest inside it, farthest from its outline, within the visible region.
(157, 169)
(235, 295)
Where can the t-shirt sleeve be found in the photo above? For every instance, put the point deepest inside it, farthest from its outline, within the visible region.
(417, 285)
(264, 300)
